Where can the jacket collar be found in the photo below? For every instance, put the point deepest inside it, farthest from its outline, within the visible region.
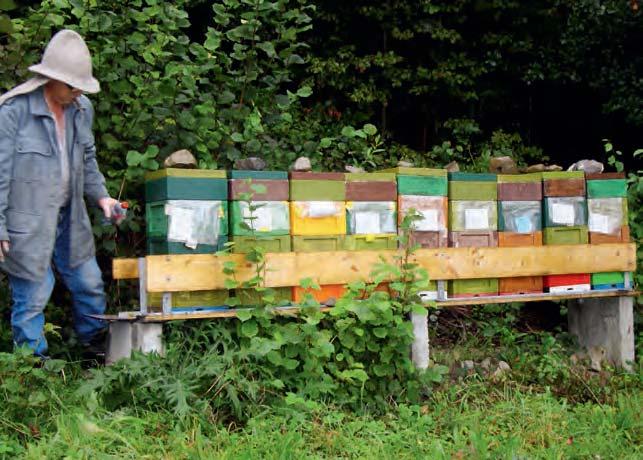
(38, 105)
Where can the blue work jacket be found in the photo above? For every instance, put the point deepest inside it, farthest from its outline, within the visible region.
(30, 182)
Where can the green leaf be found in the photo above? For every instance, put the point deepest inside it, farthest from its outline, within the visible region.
(380, 332)
(309, 283)
(7, 5)
(212, 43)
(304, 91)
(237, 137)
(370, 129)
(268, 48)
(348, 131)
(6, 26)
(326, 142)
(249, 328)
(134, 158)
(244, 314)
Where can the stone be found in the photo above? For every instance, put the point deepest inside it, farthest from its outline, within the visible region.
(250, 164)
(535, 168)
(404, 164)
(502, 369)
(452, 167)
(503, 165)
(486, 364)
(302, 164)
(588, 166)
(467, 365)
(354, 169)
(550, 168)
(180, 159)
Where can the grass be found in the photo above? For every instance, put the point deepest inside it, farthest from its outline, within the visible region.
(470, 415)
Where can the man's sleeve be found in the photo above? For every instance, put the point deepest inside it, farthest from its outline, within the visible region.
(9, 117)
(94, 185)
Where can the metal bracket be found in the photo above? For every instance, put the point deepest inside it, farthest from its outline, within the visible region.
(442, 290)
(142, 286)
(167, 303)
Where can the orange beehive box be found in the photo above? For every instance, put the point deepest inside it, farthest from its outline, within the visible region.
(511, 239)
(323, 295)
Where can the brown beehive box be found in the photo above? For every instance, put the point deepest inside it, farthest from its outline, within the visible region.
(520, 191)
(473, 239)
(430, 239)
(520, 285)
(623, 236)
(564, 187)
(276, 190)
(511, 239)
(605, 176)
(371, 191)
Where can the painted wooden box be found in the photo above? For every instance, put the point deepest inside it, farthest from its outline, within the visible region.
(326, 294)
(472, 288)
(607, 215)
(623, 236)
(275, 190)
(470, 190)
(520, 285)
(186, 184)
(371, 191)
(473, 215)
(318, 218)
(607, 188)
(422, 185)
(317, 243)
(520, 216)
(436, 239)
(473, 239)
(612, 279)
(370, 242)
(370, 217)
(566, 235)
(510, 239)
(432, 210)
(187, 221)
(564, 183)
(244, 244)
(190, 299)
(260, 175)
(159, 246)
(317, 190)
(520, 187)
(473, 177)
(269, 218)
(565, 211)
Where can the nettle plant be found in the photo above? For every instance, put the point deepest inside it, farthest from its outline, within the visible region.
(356, 353)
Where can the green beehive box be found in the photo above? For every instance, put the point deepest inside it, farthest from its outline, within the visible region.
(317, 190)
(269, 243)
(608, 278)
(371, 177)
(271, 218)
(519, 178)
(318, 243)
(264, 175)
(370, 242)
(563, 175)
(158, 246)
(472, 177)
(566, 235)
(186, 184)
(609, 188)
(158, 220)
(564, 211)
(283, 296)
(468, 190)
(473, 286)
(190, 299)
(422, 185)
(403, 171)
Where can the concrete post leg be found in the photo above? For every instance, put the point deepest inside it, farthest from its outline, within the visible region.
(605, 326)
(420, 346)
(126, 337)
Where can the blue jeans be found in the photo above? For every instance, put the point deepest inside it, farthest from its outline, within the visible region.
(84, 281)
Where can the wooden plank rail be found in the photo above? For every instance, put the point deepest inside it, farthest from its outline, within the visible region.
(174, 273)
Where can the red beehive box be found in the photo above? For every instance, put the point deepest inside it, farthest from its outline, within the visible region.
(276, 190)
(520, 191)
(371, 191)
(564, 187)
(566, 280)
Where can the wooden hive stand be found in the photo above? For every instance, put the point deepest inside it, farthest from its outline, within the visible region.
(598, 318)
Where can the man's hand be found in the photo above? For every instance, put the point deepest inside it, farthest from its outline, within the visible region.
(106, 205)
(4, 249)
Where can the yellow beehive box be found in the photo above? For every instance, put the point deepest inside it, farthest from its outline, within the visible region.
(317, 218)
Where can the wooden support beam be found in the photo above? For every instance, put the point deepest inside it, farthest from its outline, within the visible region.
(205, 271)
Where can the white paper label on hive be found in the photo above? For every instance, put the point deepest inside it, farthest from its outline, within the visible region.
(367, 223)
(262, 221)
(562, 213)
(429, 221)
(476, 219)
(319, 209)
(180, 227)
(599, 223)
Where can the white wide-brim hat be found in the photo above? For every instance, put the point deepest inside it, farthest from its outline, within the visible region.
(67, 59)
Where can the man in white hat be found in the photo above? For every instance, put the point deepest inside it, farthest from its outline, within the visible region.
(47, 169)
